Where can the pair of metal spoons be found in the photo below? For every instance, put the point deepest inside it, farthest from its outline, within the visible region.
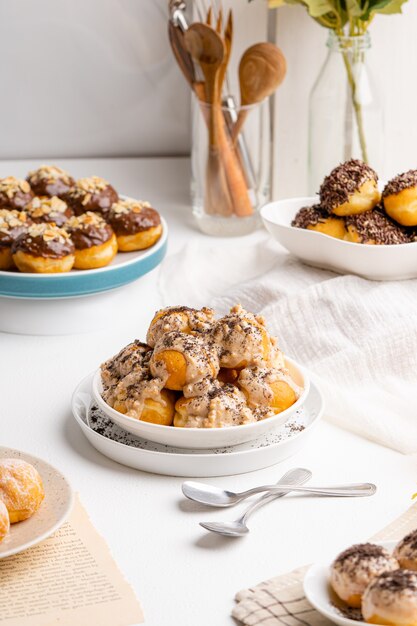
(291, 481)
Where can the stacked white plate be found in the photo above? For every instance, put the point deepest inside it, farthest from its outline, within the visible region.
(275, 441)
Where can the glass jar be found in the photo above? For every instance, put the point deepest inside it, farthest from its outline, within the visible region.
(231, 175)
(345, 110)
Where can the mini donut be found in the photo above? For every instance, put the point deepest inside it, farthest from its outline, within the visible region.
(140, 396)
(219, 407)
(50, 180)
(374, 228)
(43, 249)
(269, 390)
(94, 240)
(400, 198)
(242, 340)
(356, 567)
(15, 193)
(391, 599)
(350, 188)
(21, 489)
(406, 551)
(315, 218)
(51, 210)
(136, 224)
(91, 194)
(4, 521)
(180, 318)
(134, 356)
(12, 225)
(184, 362)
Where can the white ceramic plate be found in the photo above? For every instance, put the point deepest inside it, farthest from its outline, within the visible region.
(319, 593)
(396, 262)
(117, 444)
(52, 513)
(203, 438)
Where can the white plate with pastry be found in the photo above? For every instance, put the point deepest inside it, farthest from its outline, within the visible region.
(368, 241)
(367, 584)
(119, 445)
(35, 500)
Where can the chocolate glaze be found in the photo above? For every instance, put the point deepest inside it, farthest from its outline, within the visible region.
(12, 225)
(14, 193)
(86, 235)
(50, 181)
(82, 200)
(43, 211)
(134, 222)
(36, 245)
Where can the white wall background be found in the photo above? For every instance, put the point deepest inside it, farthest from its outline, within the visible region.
(394, 61)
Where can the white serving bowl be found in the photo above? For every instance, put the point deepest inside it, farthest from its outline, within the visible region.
(203, 438)
(397, 262)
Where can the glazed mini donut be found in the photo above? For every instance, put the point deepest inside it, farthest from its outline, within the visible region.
(91, 194)
(134, 356)
(350, 188)
(374, 228)
(21, 489)
(15, 193)
(94, 240)
(180, 318)
(139, 396)
(184, 363)
(4, 521)
(43, 249)
(406, 551)
(50, 180)
(400, 198)
(315, 218)
(51, 210)
(12, 225)
(136, 224)
(356, 567)
(242, 340)
(268, 390)
(220, 406)
(391, 599)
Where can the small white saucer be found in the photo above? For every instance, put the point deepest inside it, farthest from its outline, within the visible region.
(130, 450)
(52, 513)
(319, 593)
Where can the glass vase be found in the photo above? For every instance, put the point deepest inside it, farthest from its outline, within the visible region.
(231, 174)
(345, 110)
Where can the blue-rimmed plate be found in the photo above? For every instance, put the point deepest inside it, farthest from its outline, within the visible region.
(125, 268)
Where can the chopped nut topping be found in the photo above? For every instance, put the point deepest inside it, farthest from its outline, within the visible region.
(49, 173)
(93, 184)
(48, 232)
(85, 220)
(11, 219)
(127, 206)
(44, 206)
(11, 185)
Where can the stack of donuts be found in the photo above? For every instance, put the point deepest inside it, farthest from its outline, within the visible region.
(199, 371)
(21, 493)
(383, 585)
(352, 208)
(52, 223)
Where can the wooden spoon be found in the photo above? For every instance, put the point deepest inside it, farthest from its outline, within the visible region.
(184, 60)
(208, 49)
(262, 69)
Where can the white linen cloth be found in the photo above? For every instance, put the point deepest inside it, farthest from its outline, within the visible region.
(357, 338)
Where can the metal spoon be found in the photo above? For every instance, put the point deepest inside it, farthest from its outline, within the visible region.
(238, 528)
(214, 496)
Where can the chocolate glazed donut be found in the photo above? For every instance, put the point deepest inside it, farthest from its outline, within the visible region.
(91, 194)
(94, 240)
(43, 249)
(50, 180)
(136, 224)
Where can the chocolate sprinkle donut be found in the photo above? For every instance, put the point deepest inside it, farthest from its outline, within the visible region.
(400, 182)
(344, 181)
(310, 216)
(377, 227)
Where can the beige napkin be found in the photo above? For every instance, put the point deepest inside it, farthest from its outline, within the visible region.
(281, 600)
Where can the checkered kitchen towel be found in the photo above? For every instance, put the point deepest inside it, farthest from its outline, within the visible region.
(280, 601)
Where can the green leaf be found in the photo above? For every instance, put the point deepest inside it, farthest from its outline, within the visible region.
(317, 8)
(354, 8)
(385, 7)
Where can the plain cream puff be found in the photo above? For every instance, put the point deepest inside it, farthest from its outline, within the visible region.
(21, 489)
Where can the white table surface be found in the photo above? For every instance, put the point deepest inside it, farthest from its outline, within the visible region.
(182, 575)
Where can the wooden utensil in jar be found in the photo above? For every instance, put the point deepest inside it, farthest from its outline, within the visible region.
(208, 49)
(262, 69)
